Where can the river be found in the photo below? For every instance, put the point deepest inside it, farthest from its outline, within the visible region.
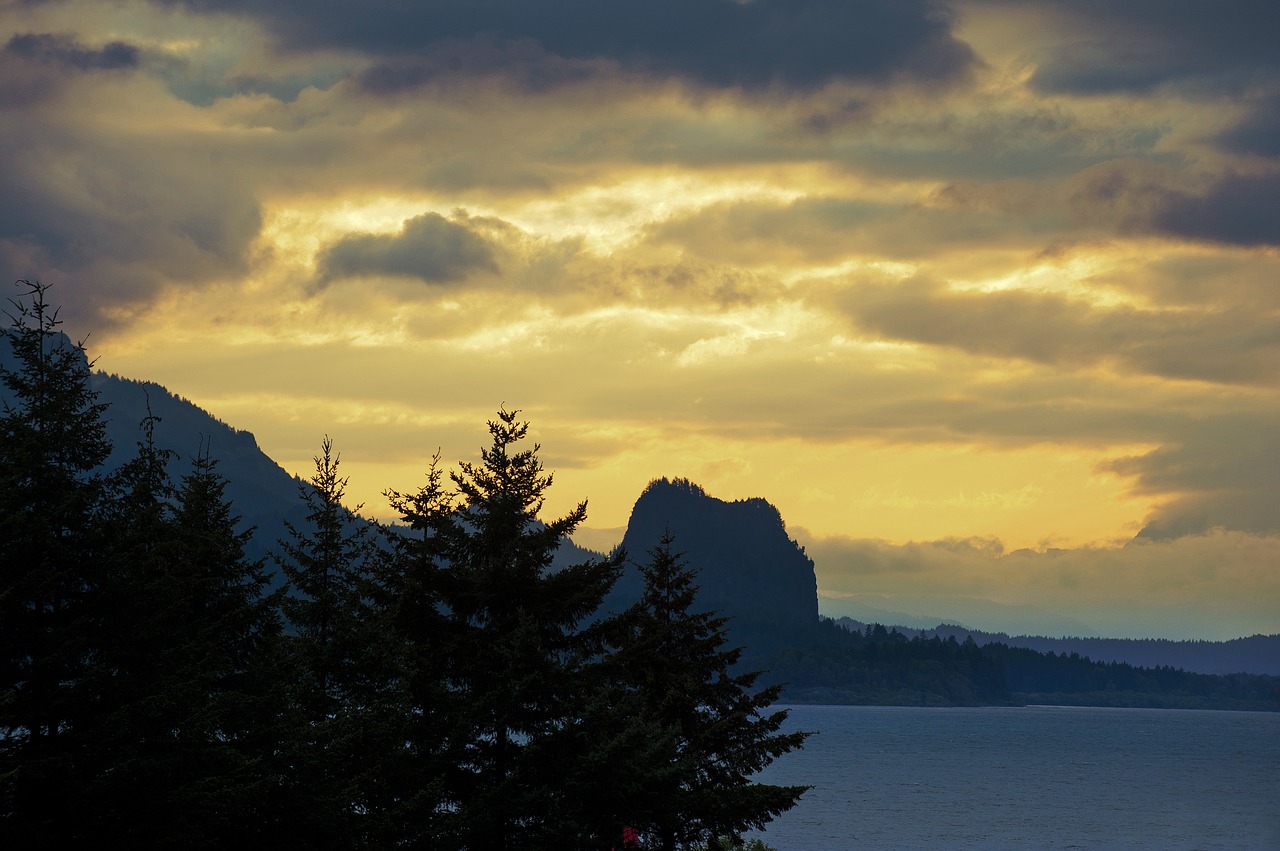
(1030, 777)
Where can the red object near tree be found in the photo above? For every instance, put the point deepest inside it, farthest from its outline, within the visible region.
(630, 838)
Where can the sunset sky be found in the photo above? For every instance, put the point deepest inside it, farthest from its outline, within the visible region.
(984, 296)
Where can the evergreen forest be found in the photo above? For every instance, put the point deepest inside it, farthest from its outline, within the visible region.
(434, 684)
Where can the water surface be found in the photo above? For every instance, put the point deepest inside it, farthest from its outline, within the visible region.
(1031, 777)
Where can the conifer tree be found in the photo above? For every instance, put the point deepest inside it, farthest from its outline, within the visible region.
(226, 677)
(695, 783)
(349, 719)
(52, 442)
(408, 592)
(514, 645)
(132, 727)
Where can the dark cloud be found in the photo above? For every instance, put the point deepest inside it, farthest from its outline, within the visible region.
(113, 214)
(1142, 198)
(1238, 209)
(430, 248)
(1259, 133)
(37, 67)
(1138, 45)
(1124, 195)
(68, 51)
(799, 44)
(524, 62)
(111, 222)
(1223, 470)
(1229, 345)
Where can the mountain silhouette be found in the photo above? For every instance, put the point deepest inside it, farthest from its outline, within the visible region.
(748, 568)
(262, 493)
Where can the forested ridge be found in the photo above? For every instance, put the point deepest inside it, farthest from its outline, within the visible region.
(434, 684)
(881, 666)
(1254, 654)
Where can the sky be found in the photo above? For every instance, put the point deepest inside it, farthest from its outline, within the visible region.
(982, 295)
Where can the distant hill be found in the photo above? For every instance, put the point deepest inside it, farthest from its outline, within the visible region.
(1257, 654)
(262, 493)
(748, 567)
(928, 611)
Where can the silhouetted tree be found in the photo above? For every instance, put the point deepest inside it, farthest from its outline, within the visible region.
(52, 441)
(223, 655)
(135, 752)
(510, 640)
(716, 730)
(349, 718)
(408, 592)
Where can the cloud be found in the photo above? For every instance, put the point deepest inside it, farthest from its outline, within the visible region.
(1197, 277)
(430, 247)
(795, 44)
(1258, 133)
(1136, 46)
(1227, 345)
(37, 67)
(1216, 585)
(1136, 197)
(110, 217)
(525, 62)
(810, 229)
(68, 51)
(820, 229)
(1237, 209)
(1218, 471)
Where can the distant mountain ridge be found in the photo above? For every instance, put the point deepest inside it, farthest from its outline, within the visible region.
(260, 490)
(1255, 654)
(262, 493)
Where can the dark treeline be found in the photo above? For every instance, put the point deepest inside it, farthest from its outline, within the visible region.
(1256, 654)
(437, 684)
(884, 666)
(1069, 679)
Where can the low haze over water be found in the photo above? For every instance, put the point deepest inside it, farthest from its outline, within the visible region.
(1033, 777)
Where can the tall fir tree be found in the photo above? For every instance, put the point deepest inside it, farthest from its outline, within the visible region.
(515, 644)
(226, 671)
(52, 442)
(187, 727)
(409, 592)
(350, 715)
(714, 732)
(133, 725)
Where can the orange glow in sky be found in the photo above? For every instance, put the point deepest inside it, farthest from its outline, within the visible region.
(973, 272)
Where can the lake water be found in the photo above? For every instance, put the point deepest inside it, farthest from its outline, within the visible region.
(1031, 777)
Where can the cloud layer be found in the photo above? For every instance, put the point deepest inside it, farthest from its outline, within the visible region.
(913, 271)
(796, 44)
